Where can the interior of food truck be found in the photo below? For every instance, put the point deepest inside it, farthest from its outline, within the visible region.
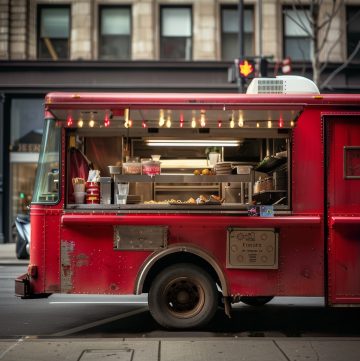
(178, 157)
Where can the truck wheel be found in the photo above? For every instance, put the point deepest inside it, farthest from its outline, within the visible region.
(183, 296)
(256, 300)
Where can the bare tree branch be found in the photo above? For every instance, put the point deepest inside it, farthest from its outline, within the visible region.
(323, 67)
(335, 42)
(341, 67)
(299, 24)
(332, 14)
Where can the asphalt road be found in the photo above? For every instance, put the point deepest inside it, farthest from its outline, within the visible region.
(128, 316)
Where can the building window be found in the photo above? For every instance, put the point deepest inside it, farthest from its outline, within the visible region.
(297, 31)
(353, 29)
(115, 32)
(176, 33)
(54, 32)
(230, 48)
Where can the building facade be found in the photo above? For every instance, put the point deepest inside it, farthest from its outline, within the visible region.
(147, 45)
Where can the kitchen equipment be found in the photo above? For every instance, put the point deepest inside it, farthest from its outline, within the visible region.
(114, 169)
(242, 169)
(122, 193)
(214, 158)
(105, 190)
(238, 192)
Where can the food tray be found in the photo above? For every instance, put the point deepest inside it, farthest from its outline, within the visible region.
(210, 203)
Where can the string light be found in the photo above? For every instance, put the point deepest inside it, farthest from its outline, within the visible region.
(219, 123)
(292, 123)
(202, 118)
(69, 120)
(127, 121)
(241, 119)
(144, 124)
(281, 121)
(232, 122)
(257, 125)
(80, 121)
(168, 121)
(161, 118)
(193, 120)
(128, 124)
(181, 120)
(106, 120)
(92, 120)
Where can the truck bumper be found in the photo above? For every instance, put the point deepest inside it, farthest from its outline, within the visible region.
(22, 286)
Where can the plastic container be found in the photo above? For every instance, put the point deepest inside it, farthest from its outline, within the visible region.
(151, 168)
(79, 197)
(132, 168)
(92, 193)
(79, 187)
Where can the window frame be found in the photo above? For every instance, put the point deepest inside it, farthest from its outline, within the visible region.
(170, 6)
(39, 9)
(285, 37)
(349, 9)
(113, 6)
(234, 7)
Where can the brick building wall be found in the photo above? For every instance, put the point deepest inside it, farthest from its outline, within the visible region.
(18, 29)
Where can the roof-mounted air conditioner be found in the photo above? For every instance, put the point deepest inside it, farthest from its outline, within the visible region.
(284, 84)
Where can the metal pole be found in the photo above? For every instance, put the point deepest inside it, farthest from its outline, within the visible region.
(241, 39)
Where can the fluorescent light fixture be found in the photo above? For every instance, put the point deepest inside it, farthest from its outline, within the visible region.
(192, 143)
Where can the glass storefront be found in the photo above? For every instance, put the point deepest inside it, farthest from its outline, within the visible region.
(27, 119)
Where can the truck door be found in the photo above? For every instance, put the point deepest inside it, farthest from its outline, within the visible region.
(342, 170)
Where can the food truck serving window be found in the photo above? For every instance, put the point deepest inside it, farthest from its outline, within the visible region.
(47, 176)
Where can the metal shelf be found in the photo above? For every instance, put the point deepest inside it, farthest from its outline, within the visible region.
(168, 178)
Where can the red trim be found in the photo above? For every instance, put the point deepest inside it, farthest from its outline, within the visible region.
(77, 219)
(348, 220)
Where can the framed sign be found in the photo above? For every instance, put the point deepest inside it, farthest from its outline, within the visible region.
(352, 162)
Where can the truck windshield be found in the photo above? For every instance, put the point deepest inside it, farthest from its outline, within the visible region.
(47, 176)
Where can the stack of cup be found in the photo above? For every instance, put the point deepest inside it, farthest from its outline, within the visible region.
(79, 190)
(92, 193)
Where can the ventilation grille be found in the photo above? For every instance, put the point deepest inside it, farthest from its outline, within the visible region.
(270, 86)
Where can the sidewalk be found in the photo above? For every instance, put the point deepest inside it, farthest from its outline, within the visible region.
(8, 256)
(171, 349)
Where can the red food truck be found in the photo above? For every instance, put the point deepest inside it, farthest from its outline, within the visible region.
(199, 200)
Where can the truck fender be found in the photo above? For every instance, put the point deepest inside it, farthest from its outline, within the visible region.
(156, 256)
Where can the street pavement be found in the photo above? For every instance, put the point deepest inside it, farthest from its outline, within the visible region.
(193, 348)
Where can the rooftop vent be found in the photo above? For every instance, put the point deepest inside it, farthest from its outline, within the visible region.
(285, 84)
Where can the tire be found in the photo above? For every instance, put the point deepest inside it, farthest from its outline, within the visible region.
(183, 296)
(256, 300)
(20, 249)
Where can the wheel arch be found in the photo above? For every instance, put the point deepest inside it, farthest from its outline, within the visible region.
(179, 254)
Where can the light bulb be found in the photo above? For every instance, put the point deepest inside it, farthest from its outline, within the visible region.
(257, 125)
(69, 120)
(292, 123)
(202, 119)
(80, 122)
(92, 120)
(161, 118)
(241, 119)
(232, 122)
(168, 122)
(193, 122)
